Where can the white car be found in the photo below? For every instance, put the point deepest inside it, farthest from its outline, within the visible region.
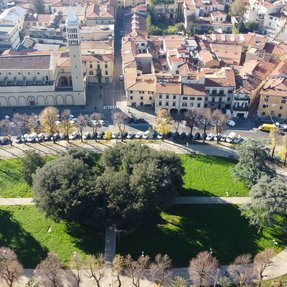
(210, 137)
(223, 138)
(86, 136)
(138, 135)
(31, 137)
(73, 136)
(159, 136)
(145, 134)
(130, 135)
(114, 135)
(238, 139)
(230, 138)
(121, 77)
(231, 123)
(217, 137)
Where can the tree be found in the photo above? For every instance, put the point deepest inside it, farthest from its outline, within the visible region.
(242, 270)
(22, 122)
(160, 270)
(274, 137)
(224, 281)
(119, 119)
(202, 269)
(49, 271)
(261, 261)
(179, 282)
(162, 122)
(95, 121)
(38, 6)
(48, 119)
(177, 120)
(191, 118)
(81, 123)
(219, 122)
(61, 189)
(66, 125)
(251, 26)
(10, 268)
(204, 120)
(283, 150)
(252, 162)
(31, 161)
(77, 265)
(118, 268)
(268, 200)
(135, 268)
(108, 135)
(237, 8)
(96, 268)
(6, 129)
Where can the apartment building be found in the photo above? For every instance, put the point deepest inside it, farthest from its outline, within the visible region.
(102, 14)
(9, 37)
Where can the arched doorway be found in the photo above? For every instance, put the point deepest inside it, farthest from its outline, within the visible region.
(63, 81)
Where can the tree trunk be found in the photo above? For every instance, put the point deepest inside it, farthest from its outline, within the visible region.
(119, 280)
(204, 132)
(285, 158)
(273, 150)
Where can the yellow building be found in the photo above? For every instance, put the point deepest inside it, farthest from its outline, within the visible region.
(99, 68)
(273, 99)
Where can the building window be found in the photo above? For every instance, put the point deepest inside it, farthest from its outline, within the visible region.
(91, 73)
(106, 66)
(281, 108)
(263, 114)
(167, 97)
(166, 103)
(150, 98)
(279, 115)
(184, 98)
(160, 96)
(199, 99)
(283, 101)
(184, 104)
(191, 98)
(191, 104)
(131, 97)
(174, 97)
(198, 105)
(141, 97)
(266, 99)
(98, 66)
(159, 103)
(106, 73)
(91, 66)
(207, 91)
(131, 92)
(173, 104)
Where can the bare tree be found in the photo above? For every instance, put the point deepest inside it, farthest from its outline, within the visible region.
(96, 268)
(191, 118)
(202, 268)
(204, 120)
(10, 268)
(66, 126)
(135, 268)
(49, 271)
(242, 270)
(224, 281)
(160, 270)
(119, 119)
(219, 122)
(77, 265)
(261, 261)
(48, 119)
(81, 123)
(95, 121)
(6, 129)
(118, 268)
(22, 122)
(177, 120)
(274, 140)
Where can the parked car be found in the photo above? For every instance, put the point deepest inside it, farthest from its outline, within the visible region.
(231, 137)
(130, 135)
(86, 136)
(62, 136)
(223, 138)
(100, 135)
(46, 137)
(18, 139)
(31, 137)
(231, 123)
(138, 135)
(73, 136)
(40, 137)
(210, 137)
(3, 140)
(114, 135)
(145, 134)
(197, 136)
(152, 135)
(217, 137)
(159, 136)
(238, 139)
(267, 127)
(102, 123)
(121, 77)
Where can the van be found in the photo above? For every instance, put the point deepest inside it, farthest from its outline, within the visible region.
(267, 127)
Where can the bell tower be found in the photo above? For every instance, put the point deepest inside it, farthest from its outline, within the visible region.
(74, 41)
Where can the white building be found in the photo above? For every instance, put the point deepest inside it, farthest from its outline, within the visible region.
(9, 37)
(38, 79)
(13, 16)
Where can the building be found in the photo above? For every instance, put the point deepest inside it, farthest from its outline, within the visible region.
(13, 16)
(38, 79)
(9, 37)
(102, 14)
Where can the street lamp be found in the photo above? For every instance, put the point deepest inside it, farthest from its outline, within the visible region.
(275, 243)
(142, 254)
(210, 250)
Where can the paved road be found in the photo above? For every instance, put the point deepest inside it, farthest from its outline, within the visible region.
(110, 245)
(211, 200)
(16, 201)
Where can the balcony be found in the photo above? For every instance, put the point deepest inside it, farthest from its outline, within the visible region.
(240, 108)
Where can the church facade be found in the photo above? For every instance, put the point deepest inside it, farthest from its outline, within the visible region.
(37, 79)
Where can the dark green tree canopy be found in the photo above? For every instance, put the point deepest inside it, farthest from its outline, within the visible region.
(38, 6)
(252, 162)
(132, 183)
(31, 161)
(268, 202)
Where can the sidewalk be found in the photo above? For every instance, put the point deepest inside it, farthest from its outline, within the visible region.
(16, 201)
(211, 200)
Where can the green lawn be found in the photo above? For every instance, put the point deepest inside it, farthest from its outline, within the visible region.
(25, 229)
(186, 230)
(209, 176)
(11, 182)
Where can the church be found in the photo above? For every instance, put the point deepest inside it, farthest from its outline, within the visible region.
(45, 78)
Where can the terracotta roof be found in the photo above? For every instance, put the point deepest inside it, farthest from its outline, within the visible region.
(99, 11)
(223, 77)
(41, 18)
(230, 54)
(275, 87)
(168, 88)
(97, 45)
(193, 90)
(218, 13)
(23, 62)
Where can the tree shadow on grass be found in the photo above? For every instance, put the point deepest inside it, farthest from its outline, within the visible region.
(186, 230)
(28, 250)
(88, 239)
